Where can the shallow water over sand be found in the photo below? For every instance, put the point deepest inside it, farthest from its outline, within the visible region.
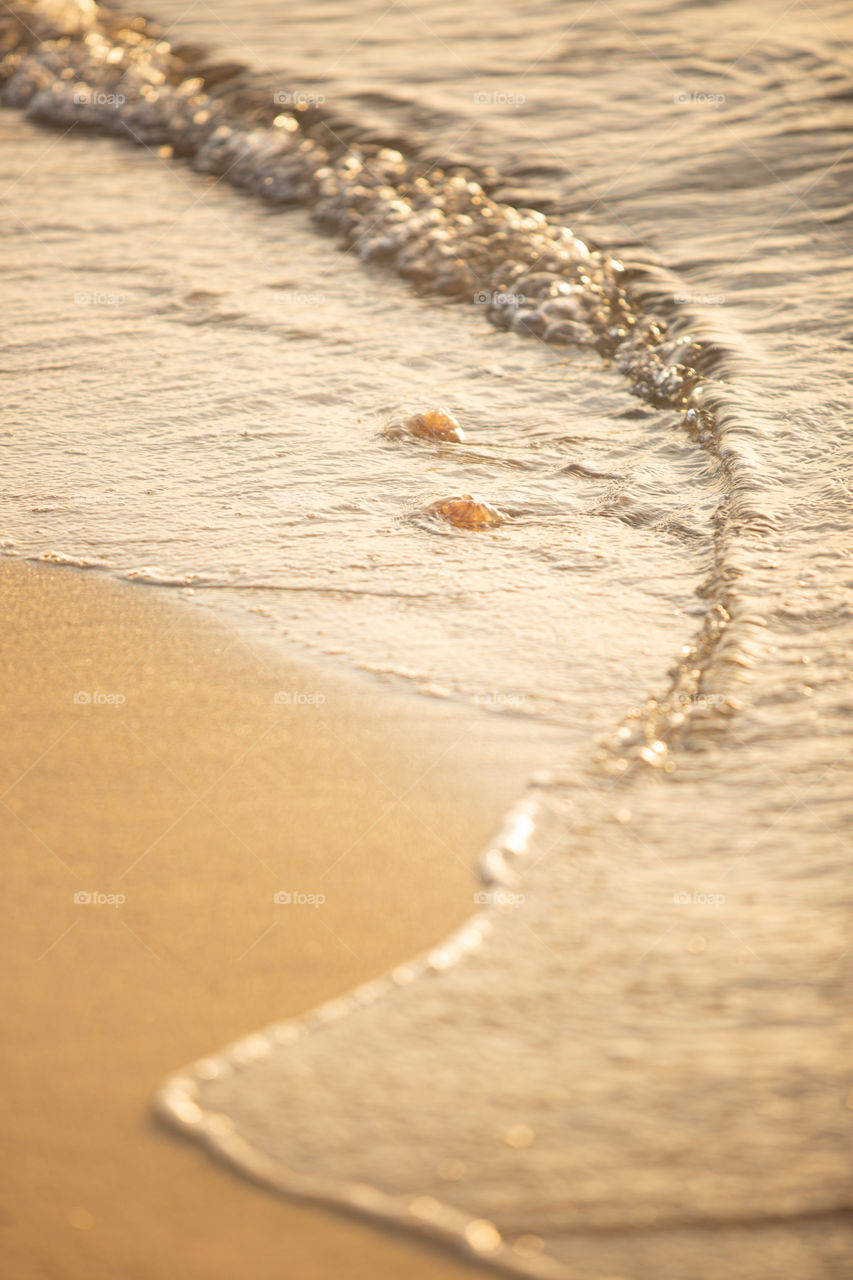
(676, 971)
(270, 473)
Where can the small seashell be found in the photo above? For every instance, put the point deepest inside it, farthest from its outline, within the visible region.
(435, 424)
(466, 512)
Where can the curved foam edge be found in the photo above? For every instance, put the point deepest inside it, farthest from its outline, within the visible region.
(177, 1100)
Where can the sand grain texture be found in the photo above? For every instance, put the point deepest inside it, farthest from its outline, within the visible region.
(197, 798)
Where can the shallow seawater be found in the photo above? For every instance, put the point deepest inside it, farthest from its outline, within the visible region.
(648, 1053)
(247, 449)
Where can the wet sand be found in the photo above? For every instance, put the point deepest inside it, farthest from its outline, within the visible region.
(197, 798)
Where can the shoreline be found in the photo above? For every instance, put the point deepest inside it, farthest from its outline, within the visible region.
(180, 1105)
(179, 800)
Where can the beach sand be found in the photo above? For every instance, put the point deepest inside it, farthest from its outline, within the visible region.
(144, 756)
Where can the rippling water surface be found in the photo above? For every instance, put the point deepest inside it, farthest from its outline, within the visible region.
(215, 382)
(247, 446)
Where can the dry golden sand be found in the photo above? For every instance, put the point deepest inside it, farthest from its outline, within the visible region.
(198, 798)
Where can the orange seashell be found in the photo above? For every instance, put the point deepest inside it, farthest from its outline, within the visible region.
(435, 424)
(466, 512)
